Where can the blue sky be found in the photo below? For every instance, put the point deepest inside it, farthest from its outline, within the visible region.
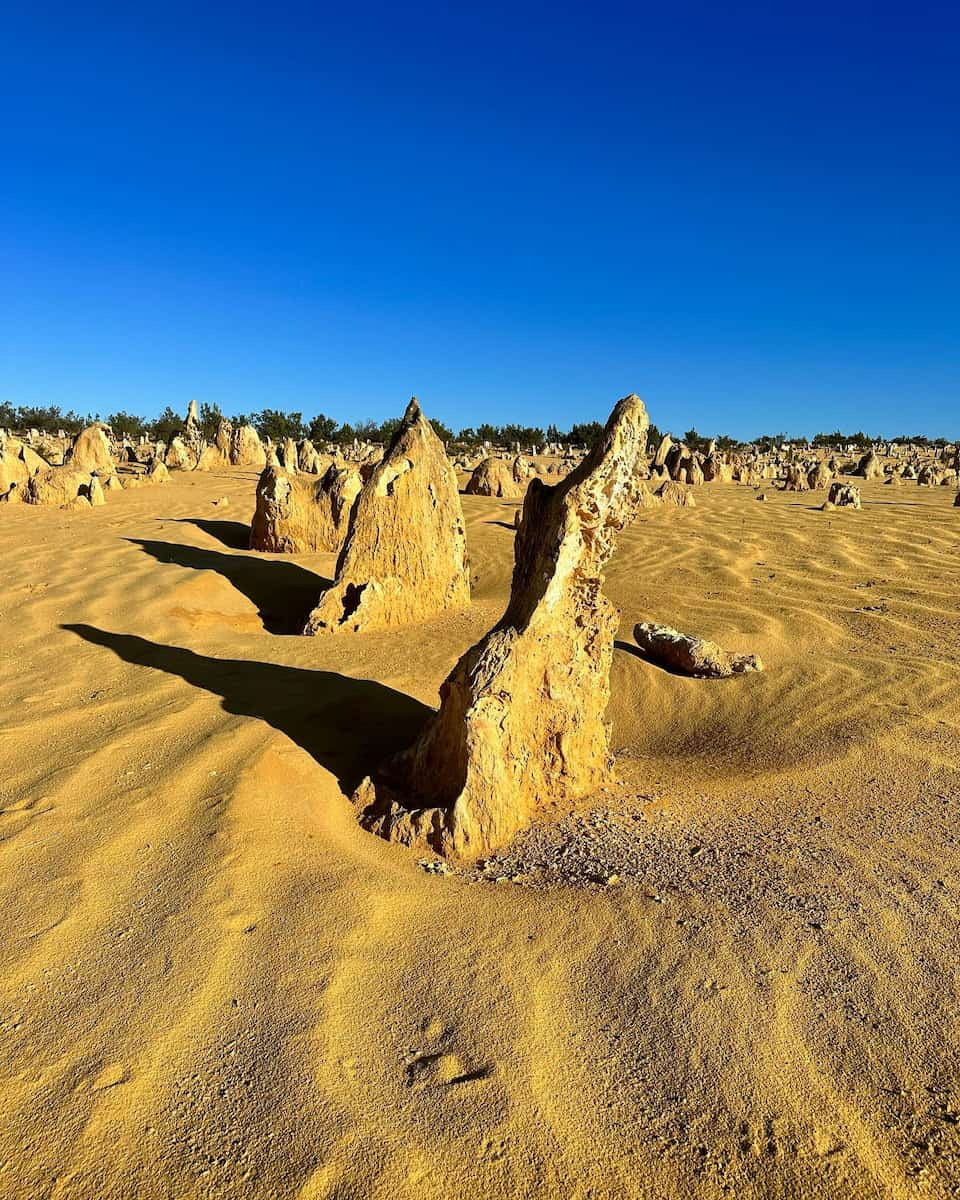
(748, 214)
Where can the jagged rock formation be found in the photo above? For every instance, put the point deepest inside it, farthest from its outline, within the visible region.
(691, 655)
(90, 451)
(521, 719)
(666, 445)
(870, 466)
(843, 495)
(18, 464)
(819, 476)
(676, 494)
(60, 487)
(288, 456)
(297, 515)
(246, 449)
(179, 456)
(796, 479)
(495, 477)
(308, 460)
(405, 554)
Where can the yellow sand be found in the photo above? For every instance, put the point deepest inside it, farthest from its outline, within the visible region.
(214, 983)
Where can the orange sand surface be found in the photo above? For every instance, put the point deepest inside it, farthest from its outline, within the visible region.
(214, 983)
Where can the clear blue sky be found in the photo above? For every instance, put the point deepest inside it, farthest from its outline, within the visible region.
(748, 213)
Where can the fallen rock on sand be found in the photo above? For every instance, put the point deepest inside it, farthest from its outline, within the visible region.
(691, 655)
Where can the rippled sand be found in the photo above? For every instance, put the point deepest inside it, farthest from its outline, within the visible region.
(213, 983)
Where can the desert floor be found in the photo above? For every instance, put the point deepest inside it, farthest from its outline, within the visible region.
(214, 983)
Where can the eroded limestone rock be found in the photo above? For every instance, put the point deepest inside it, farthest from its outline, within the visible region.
(521, 719)
(295, 515)
(246, 449)
(90, 451)
(843, 495)
(405, 555)
(495, 477)
(691, 655)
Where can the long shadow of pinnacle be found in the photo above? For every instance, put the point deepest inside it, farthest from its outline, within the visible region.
(347, 725)
(283, 592)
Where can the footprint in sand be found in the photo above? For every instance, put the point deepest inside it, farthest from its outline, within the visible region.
(441, 1070)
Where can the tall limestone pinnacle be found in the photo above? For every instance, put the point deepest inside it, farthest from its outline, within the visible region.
(405, 554)
(521, 718)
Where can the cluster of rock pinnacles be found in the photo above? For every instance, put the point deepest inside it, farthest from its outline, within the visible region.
(521, 717)
(520, 721)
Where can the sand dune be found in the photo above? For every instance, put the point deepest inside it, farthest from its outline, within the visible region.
(214, 983)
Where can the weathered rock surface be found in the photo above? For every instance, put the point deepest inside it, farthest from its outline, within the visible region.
(90, 451)
(676, 494)
(295, 515)
(59, 487)
(405, 555)
(495, 477)
(870, 466)
(691, 655)
(843, 495)
(246, 449)
(521, 719)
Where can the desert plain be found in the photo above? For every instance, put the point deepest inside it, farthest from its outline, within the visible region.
(730, 971)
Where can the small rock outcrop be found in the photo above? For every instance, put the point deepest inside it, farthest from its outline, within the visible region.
(843, 495)
(870, 466)
(296, 515)
(521, 719)
(690, 655)
(495, 477)
(246, 449)
(405, 554)
(677, 494)
(90, 451)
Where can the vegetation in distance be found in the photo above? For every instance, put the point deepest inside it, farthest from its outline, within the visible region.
(279, 425)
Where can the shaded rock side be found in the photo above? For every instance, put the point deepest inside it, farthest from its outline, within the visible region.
(521, 718)
(689, 655)
(296, 515)
(405, 554)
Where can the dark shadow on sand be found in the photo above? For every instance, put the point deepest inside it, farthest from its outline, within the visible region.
(235, 535)
(667, 670)
(504, 525)
(283, 592)
(348, 725)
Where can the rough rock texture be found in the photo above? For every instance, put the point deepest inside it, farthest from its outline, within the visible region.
(819, 476)
(90, 451)
(405, 554)
(59, 486)
(224, 439)
(666, 445)
(796, 480)
(677, 494)
(521, 719)
(179, 456)
(308, 460)
(211, 459)
(956, 500)
(870, 466)
(246, 449)
(288, 456)
(297, 515)
(494, 477)
(844, 495)
(691, 655)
